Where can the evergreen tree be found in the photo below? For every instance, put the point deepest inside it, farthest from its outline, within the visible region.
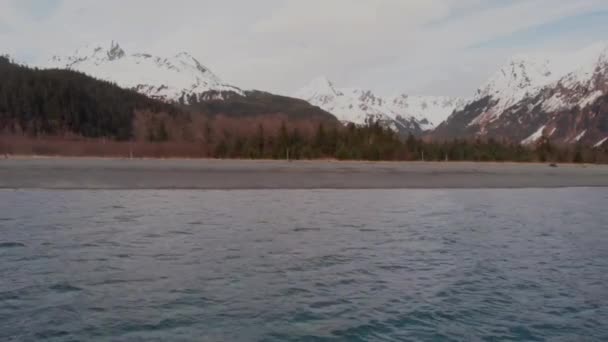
(260, 141)
(578, 154)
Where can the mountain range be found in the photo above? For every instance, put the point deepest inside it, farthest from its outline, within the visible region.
(561, 97)
(180, 79)
(403, 113)
(174, 78)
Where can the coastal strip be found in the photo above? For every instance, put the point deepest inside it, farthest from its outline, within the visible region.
(102, 173)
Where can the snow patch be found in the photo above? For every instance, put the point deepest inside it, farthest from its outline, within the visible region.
(534, 137)
(601, 142)
(554, 103)
(552, 131)
(580, 136)
(589, 99)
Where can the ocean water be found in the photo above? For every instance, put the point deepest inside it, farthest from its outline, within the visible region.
(356, 265)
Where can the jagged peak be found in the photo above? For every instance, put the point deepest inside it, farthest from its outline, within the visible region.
(523, 70)
(101, 48)
(319, 86)
(170, 78)
(110, 51)
(321, 82)
(519, 77)
(587, 62)
(357, 104)
(99, 51)
(185, 56)
(115, 51)
(551, 82)
(525, 73)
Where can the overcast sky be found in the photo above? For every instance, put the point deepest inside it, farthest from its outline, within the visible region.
(433, 47)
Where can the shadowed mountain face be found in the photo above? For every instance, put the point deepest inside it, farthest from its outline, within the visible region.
(567, 107)
(253, 103)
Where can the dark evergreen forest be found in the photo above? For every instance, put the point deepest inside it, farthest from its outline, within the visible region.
(49, 102)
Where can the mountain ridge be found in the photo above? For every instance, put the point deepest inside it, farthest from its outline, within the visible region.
(560, 98)
(403, 113)
(175, 78)
(526, 93)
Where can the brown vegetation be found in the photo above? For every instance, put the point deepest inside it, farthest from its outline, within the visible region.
(158, 135)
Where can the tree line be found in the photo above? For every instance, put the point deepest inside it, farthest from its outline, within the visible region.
(375, 142)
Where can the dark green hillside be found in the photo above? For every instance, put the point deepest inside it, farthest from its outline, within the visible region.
(52, 102)
(257, 103)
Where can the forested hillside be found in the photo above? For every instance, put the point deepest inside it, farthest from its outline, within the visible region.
(255, 103)
(54, 102)
(51, 102)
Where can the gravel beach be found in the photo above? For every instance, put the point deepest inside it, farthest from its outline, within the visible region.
(99, 173)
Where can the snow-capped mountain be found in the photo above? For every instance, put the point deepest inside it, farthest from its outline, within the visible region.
(181, 79)
(521, 77)
(12, 59)
(403, 113)
(166, 78)
(561, 97)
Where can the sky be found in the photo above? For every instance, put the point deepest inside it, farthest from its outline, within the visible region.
(423, 47)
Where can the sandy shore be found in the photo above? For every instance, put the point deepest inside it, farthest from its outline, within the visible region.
(97, 173)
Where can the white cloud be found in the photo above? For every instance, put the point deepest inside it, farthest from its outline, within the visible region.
(278, 45)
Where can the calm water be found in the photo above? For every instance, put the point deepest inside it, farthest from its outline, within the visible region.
(461, 265)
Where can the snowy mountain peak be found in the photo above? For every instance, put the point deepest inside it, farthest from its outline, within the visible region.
(519, 75)
(528, 97)
(168, 78)
(320, 86)
(115, 51)
(600, 50)
(403, 113)
(188, 58)
(589, 63)
(98, 52)
(525, 76)
(522, 76)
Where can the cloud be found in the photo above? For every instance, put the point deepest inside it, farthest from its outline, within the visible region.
(419, 46)
(37, 9)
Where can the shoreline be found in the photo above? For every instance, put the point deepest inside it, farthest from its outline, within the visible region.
(214, 174)
(301, 161)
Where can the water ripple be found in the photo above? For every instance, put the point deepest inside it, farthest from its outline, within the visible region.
(11, 244)
(427, 265)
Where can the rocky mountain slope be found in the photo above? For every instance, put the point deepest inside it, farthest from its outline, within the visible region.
(563, 98)
(403, 113)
